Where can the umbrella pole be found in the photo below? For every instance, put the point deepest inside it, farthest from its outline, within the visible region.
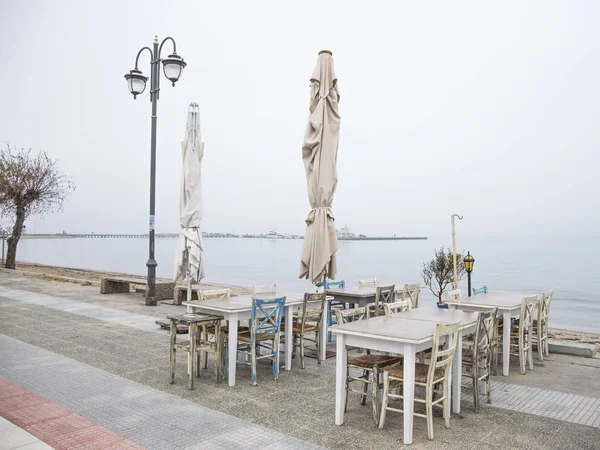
(188, 274)
(455, 282)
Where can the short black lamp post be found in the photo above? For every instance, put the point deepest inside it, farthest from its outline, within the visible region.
(173, 65)
(469, 260)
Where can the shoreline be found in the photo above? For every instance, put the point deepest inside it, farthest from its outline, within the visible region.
(88, 276)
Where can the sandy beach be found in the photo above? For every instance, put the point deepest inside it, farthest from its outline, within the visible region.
(67, 274)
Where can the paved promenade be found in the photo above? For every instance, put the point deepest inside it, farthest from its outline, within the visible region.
(102, 359)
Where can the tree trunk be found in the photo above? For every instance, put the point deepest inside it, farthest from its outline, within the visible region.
(13, 240)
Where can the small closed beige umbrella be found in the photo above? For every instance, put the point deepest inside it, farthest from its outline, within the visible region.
(319, 153)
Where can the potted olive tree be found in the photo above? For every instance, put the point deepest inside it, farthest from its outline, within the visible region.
(439, 272)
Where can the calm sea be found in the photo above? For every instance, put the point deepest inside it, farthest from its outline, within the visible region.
(566, 265)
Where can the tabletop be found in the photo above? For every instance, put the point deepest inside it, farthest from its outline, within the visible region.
(244, 302)
(445, 316)
(501, 300)
(365, 291)
(389, 328)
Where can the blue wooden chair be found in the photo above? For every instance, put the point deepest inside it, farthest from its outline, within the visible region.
(264, 333)
(482, 290)
(330, 314)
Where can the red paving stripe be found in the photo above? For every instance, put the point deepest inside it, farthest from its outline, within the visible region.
(55, 425)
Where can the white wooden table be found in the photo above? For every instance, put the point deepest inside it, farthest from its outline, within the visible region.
(404, 333)
(508, 304)
(360, 296)
(238, 308)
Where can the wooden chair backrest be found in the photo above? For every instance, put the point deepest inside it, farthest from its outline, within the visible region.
(367, 282)
(383, 295)
(528, 305)
(264, 289)
(484, 334)
(335, 284)
(351, 314)
(396, 307)
(214, 293)
(453, 295)
(266, 315)
(411, 291)
(482, 290)
(315, 314)
(443, 358)
(544, 308)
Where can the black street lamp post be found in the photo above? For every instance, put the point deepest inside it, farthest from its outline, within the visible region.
(469, 261)
(173, 65)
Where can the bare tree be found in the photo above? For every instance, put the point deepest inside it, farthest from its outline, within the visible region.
(29, 185)
(439, 272)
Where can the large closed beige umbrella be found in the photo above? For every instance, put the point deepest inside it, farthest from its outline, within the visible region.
(319, 153)
(189, 258)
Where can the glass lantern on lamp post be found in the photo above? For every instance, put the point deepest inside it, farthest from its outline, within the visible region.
(469, 261)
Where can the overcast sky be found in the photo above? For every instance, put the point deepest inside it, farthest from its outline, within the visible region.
(489, 111)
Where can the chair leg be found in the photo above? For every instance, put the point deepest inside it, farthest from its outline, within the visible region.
(329, 320)
(218, 340)
(347, 386)
(172, 352)
(363, 397)
(253, 362)
(192, 357)
(445, 404)
(384, 400)
(521, 355)
(488, 388)
(205, 353)
(475, 387)
(276, 357)
(376, 394)
(540, 343)
(530, 351)
(546, 346)
(318, 337)
(429, 409)
(302, 350)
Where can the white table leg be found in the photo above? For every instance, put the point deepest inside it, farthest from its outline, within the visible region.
(232, 347)
(341, 359)
(409, 391)
(506, 344)
(287, 311)
(323, 333)
(457, 375)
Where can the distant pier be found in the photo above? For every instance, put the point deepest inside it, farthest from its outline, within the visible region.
(205, 235)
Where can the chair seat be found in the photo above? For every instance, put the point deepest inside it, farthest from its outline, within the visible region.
(421, 371)
(467, 356)
(368, 361)
(225, 329)
(193, 318)
(297, 328)
(260, 337)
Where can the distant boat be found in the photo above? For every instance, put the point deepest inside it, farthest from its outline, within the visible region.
(344, 233)
(274, 235)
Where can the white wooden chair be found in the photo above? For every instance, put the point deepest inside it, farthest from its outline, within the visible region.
(477, 360)
(453, 295)
(427, 376)
(540, 325)
(264, 289)
(383, 295)
(396, 307)
(521, 333)
(369, 364)
(411, 292)
(367, 282)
